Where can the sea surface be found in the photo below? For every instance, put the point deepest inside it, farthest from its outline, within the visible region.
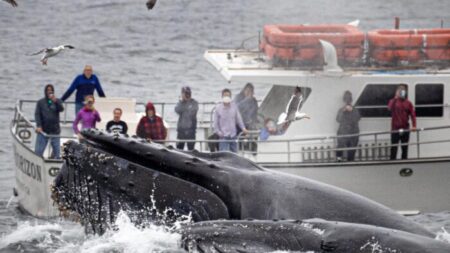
(150, 55)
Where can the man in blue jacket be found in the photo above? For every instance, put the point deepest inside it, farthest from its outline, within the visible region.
(85, 84)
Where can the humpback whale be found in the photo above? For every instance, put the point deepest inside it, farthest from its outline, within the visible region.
(109, 172)
(314, 235)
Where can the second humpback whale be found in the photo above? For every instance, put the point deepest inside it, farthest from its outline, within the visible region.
(313, 235)
(108, 173)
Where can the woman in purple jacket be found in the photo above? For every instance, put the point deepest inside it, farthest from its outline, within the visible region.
(88, 116)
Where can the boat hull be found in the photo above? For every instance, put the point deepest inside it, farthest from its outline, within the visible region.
(34, 176)
(409, 186)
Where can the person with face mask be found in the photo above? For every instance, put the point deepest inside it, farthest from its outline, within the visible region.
(84, 84)
(116, 125)
(151, 126)
(348, 118)
(401, 110)
(226, 120)
(46, 116)
(88, 116)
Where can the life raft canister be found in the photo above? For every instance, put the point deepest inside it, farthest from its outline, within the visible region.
(414, 45)
(301, 42)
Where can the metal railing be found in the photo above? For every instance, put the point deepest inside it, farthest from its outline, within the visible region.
(249, 144)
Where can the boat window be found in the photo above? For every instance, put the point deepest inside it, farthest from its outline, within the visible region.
(276, 101)
(374, 99)
(429, 100)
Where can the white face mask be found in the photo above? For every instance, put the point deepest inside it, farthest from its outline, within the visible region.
(226, 100)
(403, 93)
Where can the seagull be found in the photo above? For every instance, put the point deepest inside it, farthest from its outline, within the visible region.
(150, 4)
(50, 52)
(12, 2)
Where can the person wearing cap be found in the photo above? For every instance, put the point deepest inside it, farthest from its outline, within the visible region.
(84, 84)
(226, 120)
(46, 116)
(88, 116)
(187, 109)
(151, 126)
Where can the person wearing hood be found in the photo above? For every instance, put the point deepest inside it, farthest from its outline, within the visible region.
(226, 118)
(151, 126)
(248, 106)
(187, 109)
(348, 118)
(88, 116)
(46, 116)
(401, 110)
(85, 84)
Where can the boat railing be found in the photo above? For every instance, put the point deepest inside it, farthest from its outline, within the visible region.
(373, 145)
(312, 149)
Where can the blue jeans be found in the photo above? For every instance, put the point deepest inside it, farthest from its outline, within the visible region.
(41, 144)
(78, 107)
(228, 144)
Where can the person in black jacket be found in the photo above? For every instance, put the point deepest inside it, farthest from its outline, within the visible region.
(47, 122)
(348, 118)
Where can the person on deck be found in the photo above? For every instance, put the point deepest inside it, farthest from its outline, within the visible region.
(187, 109)
(226, 118)
(270, 128)
(116, 125)
(348, 118)
(401, 110)
(88, 116)
(46, 116)
(151, 126)
(84, 84)
(248, 106)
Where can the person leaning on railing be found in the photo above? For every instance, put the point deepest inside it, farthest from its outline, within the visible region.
(401, 110)
(85, 84)
(46, 116)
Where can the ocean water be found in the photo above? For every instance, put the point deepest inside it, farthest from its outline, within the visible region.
(150, 55)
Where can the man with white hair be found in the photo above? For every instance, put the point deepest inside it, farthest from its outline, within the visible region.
(84, 84)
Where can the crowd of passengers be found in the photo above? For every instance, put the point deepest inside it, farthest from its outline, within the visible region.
(232, 117)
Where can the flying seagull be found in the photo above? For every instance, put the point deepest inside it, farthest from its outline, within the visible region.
(50, 52)
(12, 2)
(150, 4)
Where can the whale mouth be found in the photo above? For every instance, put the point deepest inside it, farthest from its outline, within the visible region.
(108, 173)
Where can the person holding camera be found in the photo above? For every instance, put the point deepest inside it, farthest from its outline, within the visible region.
(348, 118)
(401, 110)
(46, 116)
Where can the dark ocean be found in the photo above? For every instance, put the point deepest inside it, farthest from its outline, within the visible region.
(149, 55)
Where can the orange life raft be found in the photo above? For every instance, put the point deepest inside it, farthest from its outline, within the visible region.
(301, 42)
(390, 46)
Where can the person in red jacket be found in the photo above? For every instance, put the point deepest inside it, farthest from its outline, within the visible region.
(151, 126)
(401, 110)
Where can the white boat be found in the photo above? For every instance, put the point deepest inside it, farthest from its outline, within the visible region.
(307, 148)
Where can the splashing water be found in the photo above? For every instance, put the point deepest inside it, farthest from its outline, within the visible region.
(443, 235)
(64, 236)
